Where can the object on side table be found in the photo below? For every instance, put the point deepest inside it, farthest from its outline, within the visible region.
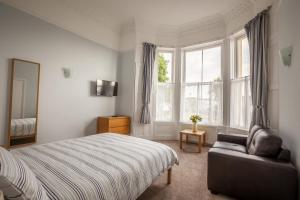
(114, 124)
(200, 134)
(195, 119)
(251, 167)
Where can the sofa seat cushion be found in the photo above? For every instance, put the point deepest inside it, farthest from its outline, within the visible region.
(265, 144)
(230, 146)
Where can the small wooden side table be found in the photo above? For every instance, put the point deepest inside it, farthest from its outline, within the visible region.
(200, 134)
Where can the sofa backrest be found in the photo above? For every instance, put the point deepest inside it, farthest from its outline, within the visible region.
(284, 155)
(252, 132)
(265, 144)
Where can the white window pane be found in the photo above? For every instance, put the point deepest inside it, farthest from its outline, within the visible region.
(189, 102)
(204, 97)
(165, 102)
(216, 105)
(204, 103)
(238, 104)
(212, 64)
(211, 103)
(193, 66)
(240, 97)
(165, 65)
(232, 59)
(249, 105)
(245, 58)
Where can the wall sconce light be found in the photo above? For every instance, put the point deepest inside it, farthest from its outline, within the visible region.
(67, 72)
(286, 55)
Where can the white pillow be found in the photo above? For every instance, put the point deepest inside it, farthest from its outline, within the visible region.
(17, 181)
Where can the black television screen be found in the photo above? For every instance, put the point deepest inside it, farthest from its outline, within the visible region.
(107, 88)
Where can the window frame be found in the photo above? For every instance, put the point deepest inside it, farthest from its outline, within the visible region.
(200, 48)
(183, 83)
(172, 51)
(172, 82)
(239, 56)
(234, 76)
(234, 62)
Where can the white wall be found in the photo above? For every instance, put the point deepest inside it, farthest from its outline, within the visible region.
(289, 81)
(126, 73)
(67, 16)
(125, 76)
(66, 108)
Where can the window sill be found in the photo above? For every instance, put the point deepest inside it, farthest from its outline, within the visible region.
(185, 123)
(238, 129)
(206, 125)
(165, 122)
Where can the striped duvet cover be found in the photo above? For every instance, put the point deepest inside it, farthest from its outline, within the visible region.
(104, 166)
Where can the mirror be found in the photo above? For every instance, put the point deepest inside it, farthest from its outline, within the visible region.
(23, 112)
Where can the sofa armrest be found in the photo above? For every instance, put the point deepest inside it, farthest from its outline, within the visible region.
(250, 177)
(232, 138)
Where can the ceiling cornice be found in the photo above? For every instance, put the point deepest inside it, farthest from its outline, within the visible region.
(238, 10)
(202, 24)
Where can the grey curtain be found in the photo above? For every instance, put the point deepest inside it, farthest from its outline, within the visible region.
(258, 36)
(148, 67)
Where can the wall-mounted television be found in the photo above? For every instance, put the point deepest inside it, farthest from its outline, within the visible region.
(107, 88)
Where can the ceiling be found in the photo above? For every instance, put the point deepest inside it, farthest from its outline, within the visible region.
(115, 13)
(169, 12)
(102, 20)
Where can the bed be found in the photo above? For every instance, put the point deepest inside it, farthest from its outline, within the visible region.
(104, 166)
(23, 127)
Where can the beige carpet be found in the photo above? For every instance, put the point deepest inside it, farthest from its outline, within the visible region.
(188, 179)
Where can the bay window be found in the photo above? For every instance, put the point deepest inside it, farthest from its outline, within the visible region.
(202, 86)
(198, 86)
(240, 94)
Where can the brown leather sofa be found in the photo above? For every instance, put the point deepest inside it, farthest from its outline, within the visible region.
(253, 167)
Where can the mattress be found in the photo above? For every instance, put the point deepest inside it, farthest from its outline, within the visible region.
(104, 166)
(23, 127)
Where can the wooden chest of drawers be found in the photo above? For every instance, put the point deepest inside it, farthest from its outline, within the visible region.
(115, 124)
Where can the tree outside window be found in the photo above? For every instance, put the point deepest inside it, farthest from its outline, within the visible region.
(165, 86)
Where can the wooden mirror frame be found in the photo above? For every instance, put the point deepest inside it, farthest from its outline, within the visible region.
(10, 103)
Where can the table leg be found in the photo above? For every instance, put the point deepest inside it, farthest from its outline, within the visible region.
(187, 139)
(204, 139)
(200, 143)
(180, 141)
